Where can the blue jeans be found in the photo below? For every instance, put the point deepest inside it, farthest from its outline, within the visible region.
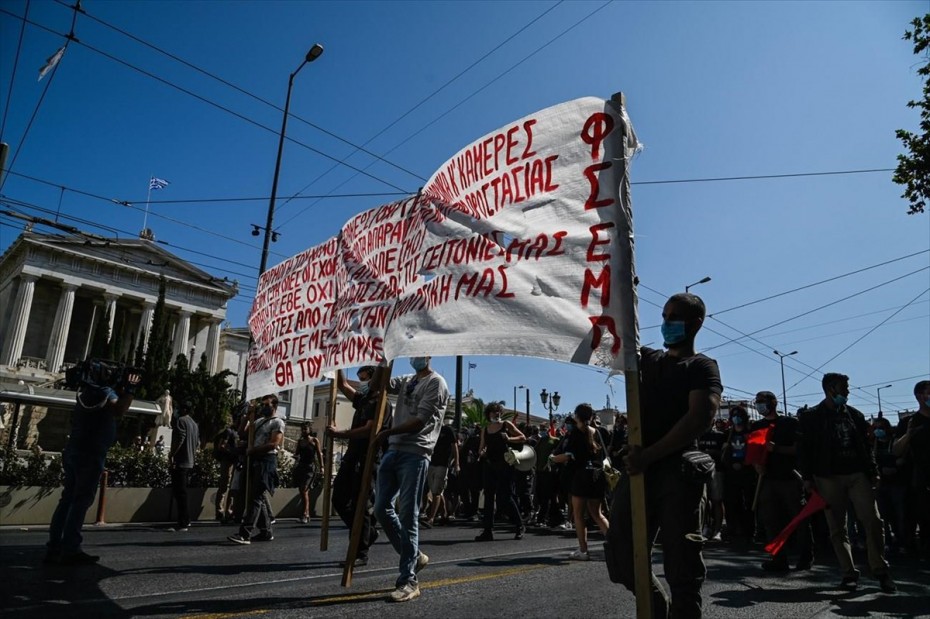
(401, 476)
(92, 434)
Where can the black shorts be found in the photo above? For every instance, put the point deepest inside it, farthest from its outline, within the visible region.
(588, 483)
(303, 476)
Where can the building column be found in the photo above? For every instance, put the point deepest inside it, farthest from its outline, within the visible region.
(59, 336)
(181, 335)
(213, 345)
(19, 319)
(148, 314)
(94, 319)
(111, 309)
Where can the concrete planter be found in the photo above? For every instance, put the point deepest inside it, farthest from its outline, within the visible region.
(33, 505)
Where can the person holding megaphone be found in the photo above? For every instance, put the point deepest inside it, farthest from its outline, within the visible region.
(496, 439)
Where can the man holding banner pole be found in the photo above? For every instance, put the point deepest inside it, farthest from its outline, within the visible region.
(422, 399)
(680, 393)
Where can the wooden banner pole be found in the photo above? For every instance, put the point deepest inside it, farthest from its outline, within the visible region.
(328, 469)
(364, 490)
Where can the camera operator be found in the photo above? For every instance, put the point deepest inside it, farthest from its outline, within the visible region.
(93, 431)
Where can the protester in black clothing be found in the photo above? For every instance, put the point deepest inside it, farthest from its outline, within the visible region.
(185, 440)
(679, 396)
(548, 513)
(583, 456)
(780, 492)
(496, 438)
(226, 454)
(523, 483)
(470, 480)
(348, 482)
(445, 453)
(711, 443)
(309, 464)
(739, 480)
(619, 437)
(892, 489)
(913, 441)
(835, 457)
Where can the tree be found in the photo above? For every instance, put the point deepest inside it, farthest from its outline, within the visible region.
(913, 169)
(158, 353)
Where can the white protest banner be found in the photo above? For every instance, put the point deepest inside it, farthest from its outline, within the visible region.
(520, 244)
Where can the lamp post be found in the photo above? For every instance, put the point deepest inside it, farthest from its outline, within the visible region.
(784, 394)
(879, 391)
(515, 401)
(315, 52)
(702, 281)
(551, 402)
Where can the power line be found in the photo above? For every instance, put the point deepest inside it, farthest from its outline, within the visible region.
(473, 94)
(9, 98)
(209, 102)
(245, 92)
(823, 281)
(758, 177)
(427, 98)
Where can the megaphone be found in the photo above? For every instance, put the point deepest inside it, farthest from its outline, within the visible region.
(523, 460)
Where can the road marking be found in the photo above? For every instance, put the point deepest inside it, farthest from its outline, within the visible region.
(250, 613)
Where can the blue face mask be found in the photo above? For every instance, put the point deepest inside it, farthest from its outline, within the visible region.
(879, 434)
(839, 400)
(673, 332)
(762, 407)
(363, 388)
(927, 403)
(419, 363)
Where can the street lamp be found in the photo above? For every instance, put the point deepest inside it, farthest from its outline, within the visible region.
(315, 52)
(702, 281)
(552, 403)
(879, 391)
(784, 394)
(515, 402)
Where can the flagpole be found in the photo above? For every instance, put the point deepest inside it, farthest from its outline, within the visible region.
(145, 218)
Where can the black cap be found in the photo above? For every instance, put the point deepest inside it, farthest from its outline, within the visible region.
(368, 368)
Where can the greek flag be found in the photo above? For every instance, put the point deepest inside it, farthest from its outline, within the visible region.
(472, 366)
(52, 62)
(157, 183)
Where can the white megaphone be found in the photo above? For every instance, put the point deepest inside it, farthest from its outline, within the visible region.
(523, 460)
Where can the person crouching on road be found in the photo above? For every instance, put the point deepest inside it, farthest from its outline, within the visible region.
(496, 438)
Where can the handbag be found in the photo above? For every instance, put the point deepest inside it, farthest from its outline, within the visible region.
(696, 466)
(611, 475)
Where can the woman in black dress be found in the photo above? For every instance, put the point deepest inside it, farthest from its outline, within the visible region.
(496, 438)
(583, 456)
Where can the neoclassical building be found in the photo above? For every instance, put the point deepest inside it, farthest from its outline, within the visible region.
(55, 291)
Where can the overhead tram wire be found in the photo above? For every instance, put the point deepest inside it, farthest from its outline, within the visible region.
(462, 101)
(241, 90)
(823, 281)
(208, 102)
(9, 91)
(427, 98)
(753, 178)
(872, 330)
(881, 382)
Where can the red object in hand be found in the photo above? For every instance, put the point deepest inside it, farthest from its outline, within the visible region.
(814, 504)
(756, 451)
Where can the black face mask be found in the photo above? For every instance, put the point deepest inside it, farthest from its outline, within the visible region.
(265, 411)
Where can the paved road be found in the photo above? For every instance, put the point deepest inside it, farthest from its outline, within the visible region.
(146, 571)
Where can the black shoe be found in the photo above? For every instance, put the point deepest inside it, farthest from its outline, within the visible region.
(263, 537)
(887, 585)
(776, 566)
(375, 534)
(486, 536)
(804, 563)
(850, 582)
(520, 532)
(359, 562)
(52, 556)
(78, 558)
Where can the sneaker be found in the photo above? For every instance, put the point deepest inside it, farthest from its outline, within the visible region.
(304, 519)
(567, 526)
(887, 585)
(578, 555)
(179, 529)
(78, 558)
(520, 532)
(804, 563)
(359, 562)
(776, 566)
(264, 537)
(422, 561)
(405, 593)
(375, 534)
(485, 536)
(239, 539)
(717, 537)
(426, 524)
(273, 520)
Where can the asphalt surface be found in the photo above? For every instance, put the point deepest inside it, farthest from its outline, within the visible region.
(147, 571)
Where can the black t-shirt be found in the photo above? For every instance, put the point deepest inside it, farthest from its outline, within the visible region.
(711, 443)
(665, 387)
(306, 452)
(918, 454)
(736, 447)
(442, 452)
(471, 446)
(366, 408)
(785, 434)
(846, 449)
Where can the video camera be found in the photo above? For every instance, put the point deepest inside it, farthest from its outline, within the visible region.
(99, 379)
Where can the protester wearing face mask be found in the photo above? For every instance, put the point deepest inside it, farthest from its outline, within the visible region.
(891, 492)
(309, 464)
(348, 480)
(913, 443)
(496, 438)
(739, 481)
(268, 436)
(422, 399)
(780, 490)
(835, 458)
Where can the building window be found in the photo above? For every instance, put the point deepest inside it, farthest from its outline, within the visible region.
(316, 409)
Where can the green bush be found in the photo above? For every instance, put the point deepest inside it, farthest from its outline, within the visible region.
(32, 470)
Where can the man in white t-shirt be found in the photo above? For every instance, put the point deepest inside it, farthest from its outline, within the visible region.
(268, 436)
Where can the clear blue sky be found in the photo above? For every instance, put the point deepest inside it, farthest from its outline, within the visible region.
(714, 90)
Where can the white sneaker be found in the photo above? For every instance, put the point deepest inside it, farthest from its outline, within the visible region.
(578, 555)
(422, 561)
(405, 593)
